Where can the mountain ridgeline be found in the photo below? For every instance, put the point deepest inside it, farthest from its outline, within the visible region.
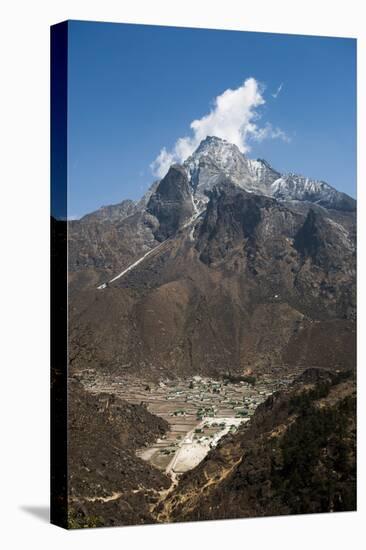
(228, 266)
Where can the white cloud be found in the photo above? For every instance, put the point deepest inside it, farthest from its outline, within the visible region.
(269, 132)
(278, 91)
(161, 164)
(233, 117)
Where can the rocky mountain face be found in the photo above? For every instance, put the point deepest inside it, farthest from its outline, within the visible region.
(172, 203)
(262, 171)
(112, 213)
(232, 277)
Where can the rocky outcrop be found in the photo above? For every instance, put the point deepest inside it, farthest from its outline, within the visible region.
(235, 217)
(172, 203)
(324, 241)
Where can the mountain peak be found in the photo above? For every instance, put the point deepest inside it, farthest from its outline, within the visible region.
(215, 145)
(217, 150)
(213, 139)
(216, 157)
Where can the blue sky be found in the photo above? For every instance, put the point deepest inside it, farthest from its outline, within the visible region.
(135, 89)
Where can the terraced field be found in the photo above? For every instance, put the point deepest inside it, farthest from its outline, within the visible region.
(200, 412)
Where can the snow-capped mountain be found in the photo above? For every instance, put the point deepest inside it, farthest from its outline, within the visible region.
(216, 158)
(296, 187)
(262, 171)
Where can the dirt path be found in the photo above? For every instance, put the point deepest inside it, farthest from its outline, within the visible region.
(162, 510)
(113, 496)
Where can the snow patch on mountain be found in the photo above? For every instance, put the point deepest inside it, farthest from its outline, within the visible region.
(213, 159)
(216, 158)
(297, 187)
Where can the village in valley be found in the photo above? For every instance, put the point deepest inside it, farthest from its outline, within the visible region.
(199, 410)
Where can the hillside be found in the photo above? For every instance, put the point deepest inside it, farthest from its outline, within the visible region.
(107, 482)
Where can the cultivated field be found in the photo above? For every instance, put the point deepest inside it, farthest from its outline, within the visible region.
(200, 412)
